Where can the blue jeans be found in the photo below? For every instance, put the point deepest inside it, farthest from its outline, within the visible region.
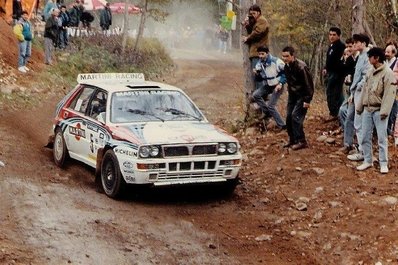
(369, 121)
(353, 124)
(269, 107)
(63, 38)
(295, 119)
(24, 52)
(349, 130)
(343, 113)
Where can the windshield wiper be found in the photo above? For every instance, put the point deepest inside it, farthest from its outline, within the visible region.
(143, 112)
(180, 112)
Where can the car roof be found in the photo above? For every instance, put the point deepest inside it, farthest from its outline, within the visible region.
(115, 82)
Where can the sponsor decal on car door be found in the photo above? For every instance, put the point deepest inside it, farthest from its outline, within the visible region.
(96, 138)
(76, 133)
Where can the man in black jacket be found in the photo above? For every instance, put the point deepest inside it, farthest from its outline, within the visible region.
(301, 91)
(335, 71)
(51, 31)
(106, 17)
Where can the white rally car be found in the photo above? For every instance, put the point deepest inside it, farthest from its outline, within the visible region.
(134, 131)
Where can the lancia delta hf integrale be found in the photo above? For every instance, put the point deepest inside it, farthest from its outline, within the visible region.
(134, 131)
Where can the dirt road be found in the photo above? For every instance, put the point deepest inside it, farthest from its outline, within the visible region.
(307, 207)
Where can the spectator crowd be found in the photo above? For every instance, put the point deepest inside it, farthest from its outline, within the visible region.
(360, 91)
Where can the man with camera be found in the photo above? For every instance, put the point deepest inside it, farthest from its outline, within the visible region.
(269, 72)
(257, 29)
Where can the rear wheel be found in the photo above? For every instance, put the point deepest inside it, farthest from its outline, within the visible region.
(60, 152)
(111, 177)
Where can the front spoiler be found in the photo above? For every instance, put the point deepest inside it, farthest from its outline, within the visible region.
(189, 181)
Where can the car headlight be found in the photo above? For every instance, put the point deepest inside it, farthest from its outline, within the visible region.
(222, 148)
(149, 151)
(154, 150)
(145, 151)
(232, 148)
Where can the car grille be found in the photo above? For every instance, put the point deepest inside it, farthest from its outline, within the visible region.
(188, 166)
(190, 175)
(190, 150)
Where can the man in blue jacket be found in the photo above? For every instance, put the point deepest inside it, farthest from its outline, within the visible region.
(269, 70)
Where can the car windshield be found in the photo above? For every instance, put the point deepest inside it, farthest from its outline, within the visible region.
(152, 105)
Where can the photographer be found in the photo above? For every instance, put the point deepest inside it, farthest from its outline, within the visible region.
(269, 72)
(257, 29)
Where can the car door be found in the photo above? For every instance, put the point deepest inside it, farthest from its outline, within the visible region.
(75, 133)
(96, 131)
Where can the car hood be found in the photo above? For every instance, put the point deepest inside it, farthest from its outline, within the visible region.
(171, 132)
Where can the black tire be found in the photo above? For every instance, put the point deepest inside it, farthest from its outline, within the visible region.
(111, 177)
(229, 187)
(60, 151)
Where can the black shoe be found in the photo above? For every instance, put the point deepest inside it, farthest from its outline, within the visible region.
(300, 145)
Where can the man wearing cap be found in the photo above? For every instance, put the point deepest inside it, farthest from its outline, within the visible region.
(257, 34)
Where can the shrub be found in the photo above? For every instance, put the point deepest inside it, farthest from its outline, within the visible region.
(96, 54)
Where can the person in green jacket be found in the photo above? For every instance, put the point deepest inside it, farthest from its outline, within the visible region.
(23, 32)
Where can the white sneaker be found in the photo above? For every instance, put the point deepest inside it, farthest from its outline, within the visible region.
(383, 169)
(355, 157)
(26, 68)
(22, 69)
(364, 166)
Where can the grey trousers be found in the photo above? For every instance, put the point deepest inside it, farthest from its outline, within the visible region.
(48, 48)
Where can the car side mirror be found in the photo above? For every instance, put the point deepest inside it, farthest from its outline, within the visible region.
(101, 117)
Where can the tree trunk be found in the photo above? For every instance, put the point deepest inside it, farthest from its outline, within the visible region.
(358, 13)
(141, 27)
(248, 74)
(391, 15)
(319, 49)
(369, 32)
(125, 27)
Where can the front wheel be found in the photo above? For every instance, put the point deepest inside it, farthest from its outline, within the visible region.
(111, 177)
(60, 152)
(229, 187)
